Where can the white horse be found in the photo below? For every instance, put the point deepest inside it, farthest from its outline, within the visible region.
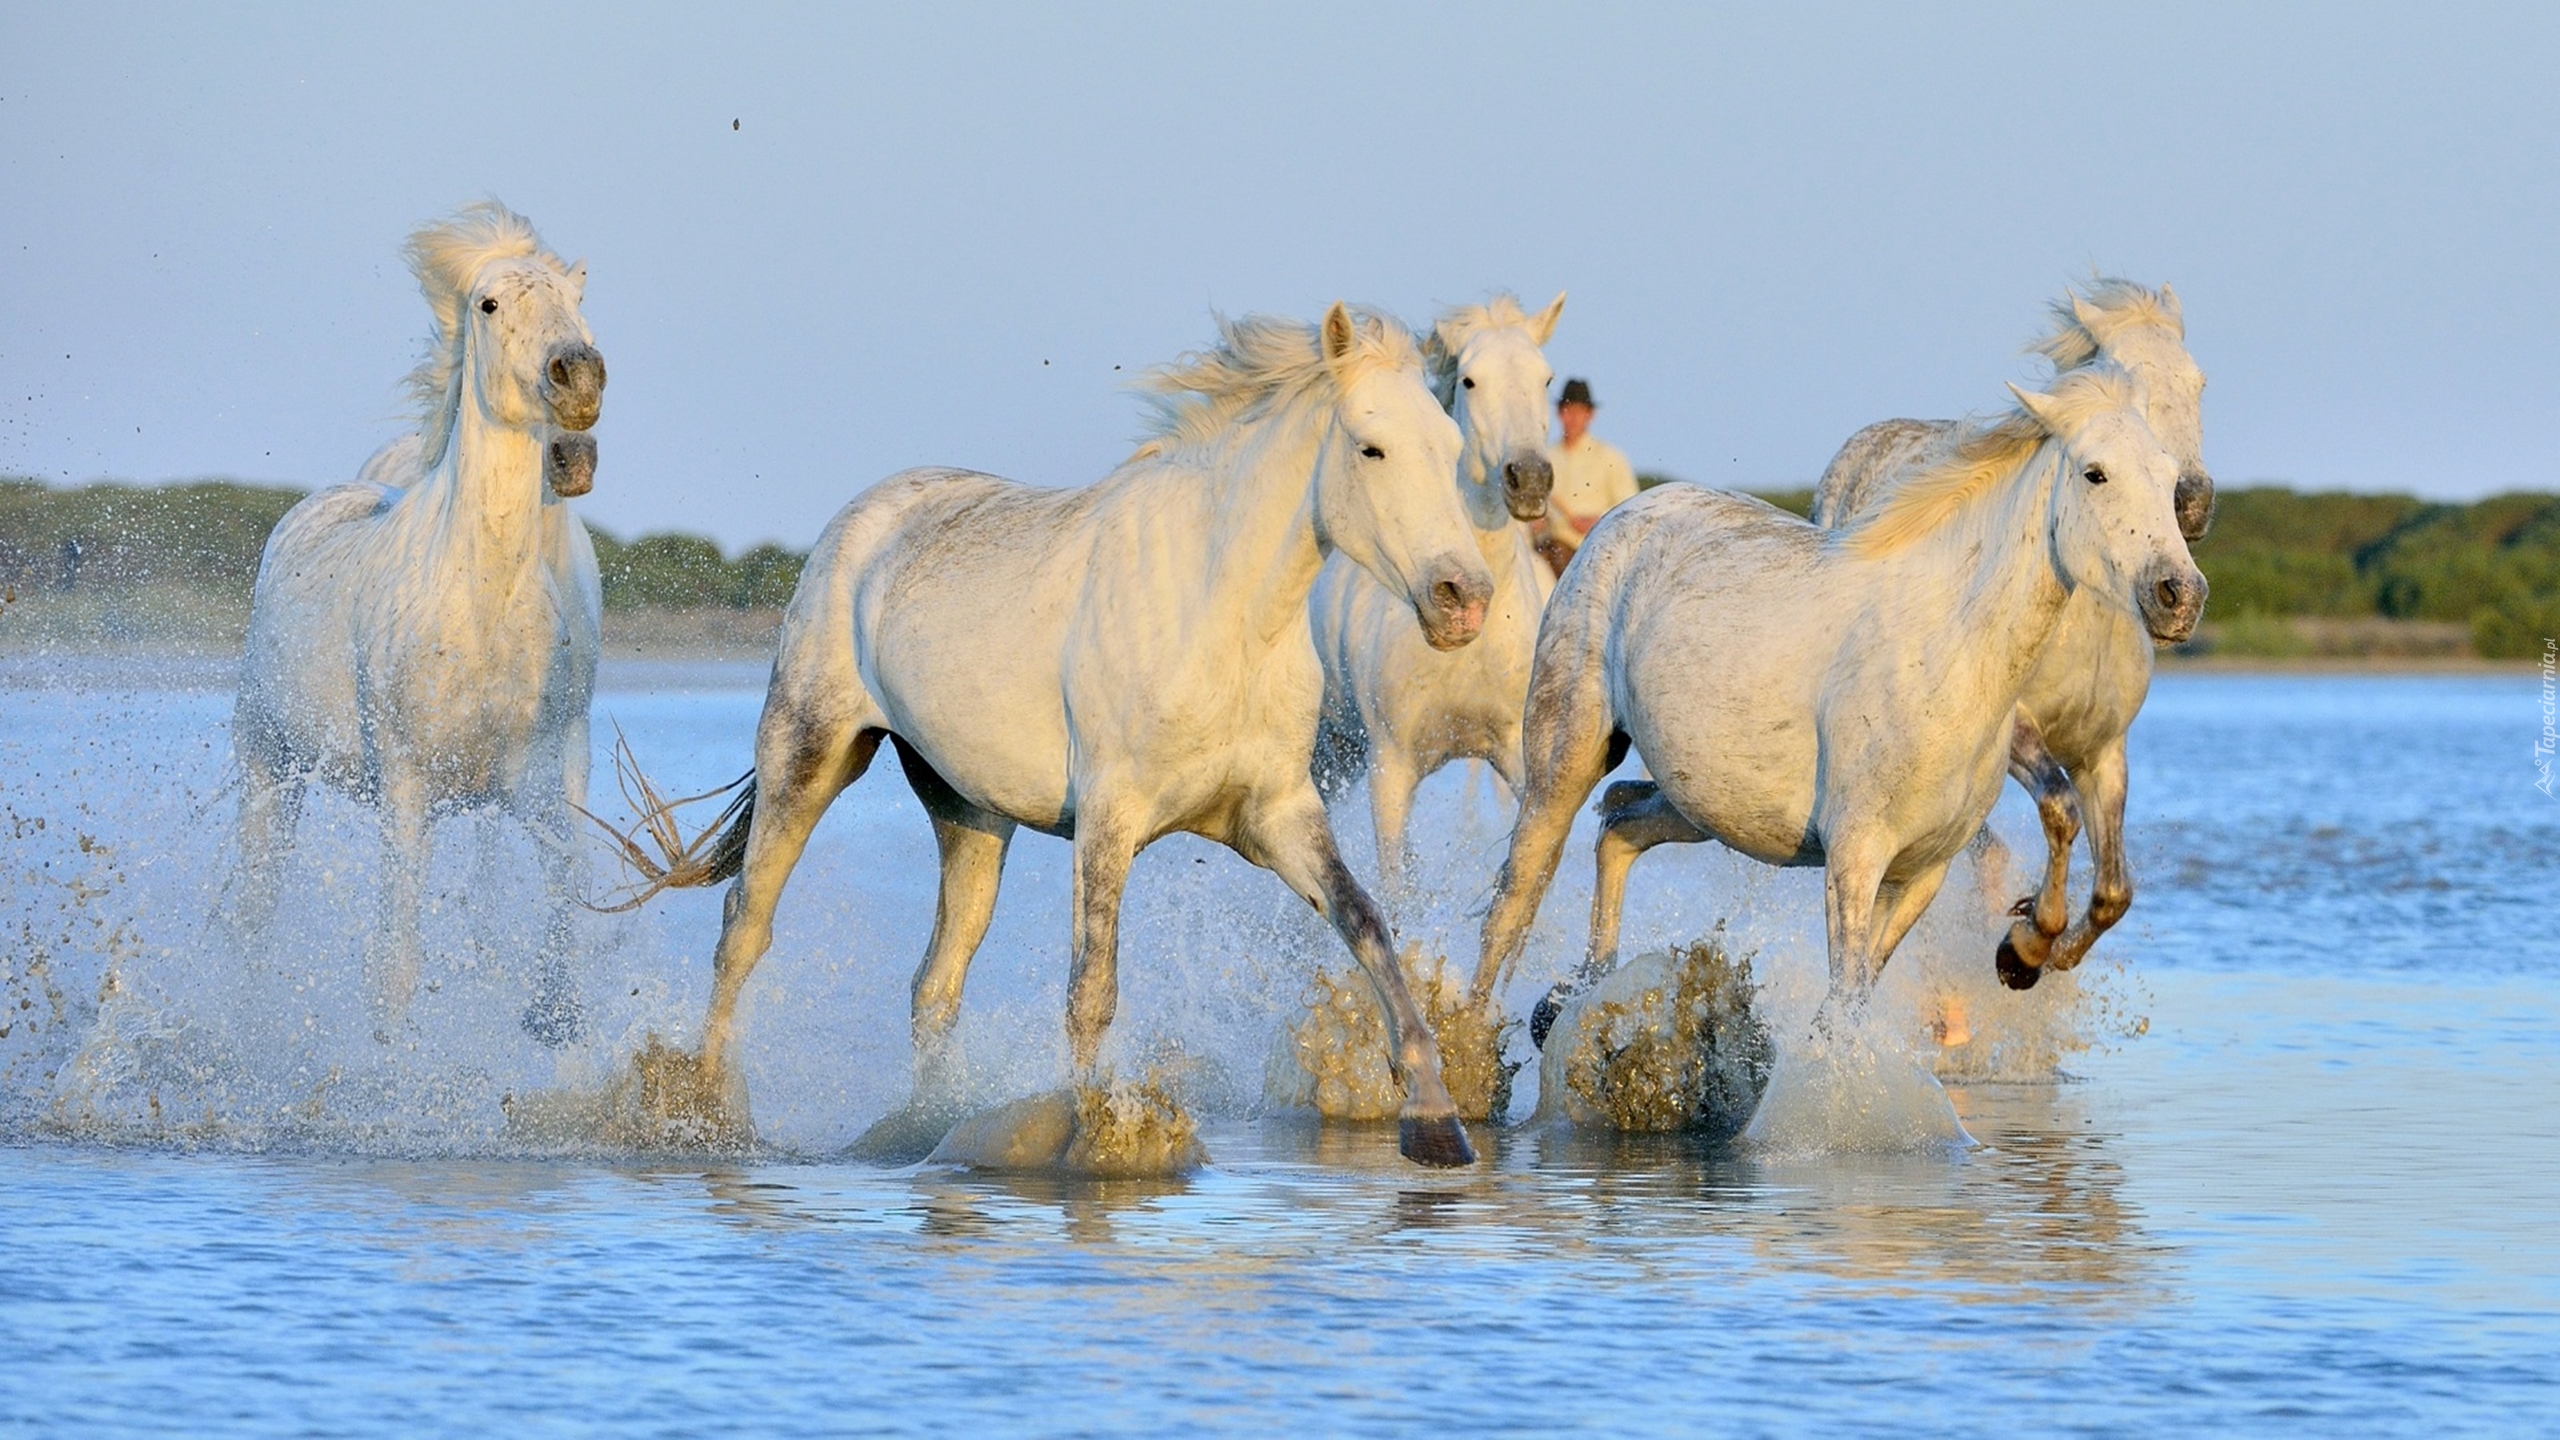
(1391, 700)
(2095, 670)
(1834, 698)
(425, 638)
(1114, 664)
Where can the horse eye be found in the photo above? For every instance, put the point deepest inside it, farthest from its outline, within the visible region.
(2095, 475)
(488, 304)
(1469, 382)
(1373, 452)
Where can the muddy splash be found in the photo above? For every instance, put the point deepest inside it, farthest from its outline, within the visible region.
(1122, 1130)
(1333, 1060)
(1668, 1041)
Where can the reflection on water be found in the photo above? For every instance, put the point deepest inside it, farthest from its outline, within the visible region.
(2317, 1192)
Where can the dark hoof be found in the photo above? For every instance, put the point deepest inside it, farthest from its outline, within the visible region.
(2014, 970)
(554, 1020)
(1542, 1016)
(1440, 1142)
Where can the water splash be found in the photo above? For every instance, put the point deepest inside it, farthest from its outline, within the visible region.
(1123, 1130)
(1668, 1041)
(1333, 1059)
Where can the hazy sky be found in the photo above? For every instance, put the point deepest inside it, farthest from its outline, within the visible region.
(937, 233)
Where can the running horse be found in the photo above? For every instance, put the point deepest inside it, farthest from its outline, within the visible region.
(1840, 698)
(2067, 749)
(425, 638)
(1114, 664)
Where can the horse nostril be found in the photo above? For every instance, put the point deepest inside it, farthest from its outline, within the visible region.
(2170, 594)
(1447, 598)
(560, 372)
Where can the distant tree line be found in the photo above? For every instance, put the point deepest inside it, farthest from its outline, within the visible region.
(207, 535)
(2493, 565)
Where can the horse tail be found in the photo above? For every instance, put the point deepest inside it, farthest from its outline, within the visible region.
(655, 850)
(729, 856)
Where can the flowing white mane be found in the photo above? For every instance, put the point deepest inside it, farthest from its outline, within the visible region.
(447, 256)
(1977, 458)
(1450, 334)
(1261, 364)
(2120, 305)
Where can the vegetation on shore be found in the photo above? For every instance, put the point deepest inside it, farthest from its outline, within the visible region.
(2293, 574)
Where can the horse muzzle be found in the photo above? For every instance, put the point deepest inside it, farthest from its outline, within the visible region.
(2194, 500)
(1451, 607)
(2171, 598)
(569, 464)
(573, 386)
(1527, 480)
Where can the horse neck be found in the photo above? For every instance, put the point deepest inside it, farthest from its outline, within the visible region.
(1263, 548)
(1998, 557)
(482, 501)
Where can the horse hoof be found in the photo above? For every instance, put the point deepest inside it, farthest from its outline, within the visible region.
(1438, 1141)
(1542, 1016)
(2014, 970)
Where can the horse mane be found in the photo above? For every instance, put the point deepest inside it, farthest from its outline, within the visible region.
(1451, 332)
(447, 256)
(1974, 461)
(2121, 305)
(1261, 363)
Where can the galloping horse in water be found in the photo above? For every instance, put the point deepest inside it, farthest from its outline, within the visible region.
(1392, 700)
(425, 638)
(1835, 698)
(2095, 670)
(1114, 664)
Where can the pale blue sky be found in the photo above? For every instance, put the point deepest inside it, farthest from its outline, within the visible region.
(1775, 226)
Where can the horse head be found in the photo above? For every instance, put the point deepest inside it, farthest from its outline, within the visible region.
(1490, 369)
(2114, 520)
(2143, 332)
(1382, 483)
(510, 338)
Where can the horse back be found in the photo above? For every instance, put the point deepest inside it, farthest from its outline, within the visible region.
(1867, 465)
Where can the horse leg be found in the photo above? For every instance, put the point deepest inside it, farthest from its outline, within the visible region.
(1853, 874)
(394, 958)
(973, 843)
(270, 810)
(2025, 947)
(1569, 741)
(1289, 837)
(554, 1016)
(2102, 781)
(1635, 816)
(1105, 848)
(1902, 903)
(803, 762)
(1392, 781)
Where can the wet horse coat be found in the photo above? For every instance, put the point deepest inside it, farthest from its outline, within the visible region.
(2095, 670)
(426, 637)
(1833, 698)
(1393, 702)
(1115, 664)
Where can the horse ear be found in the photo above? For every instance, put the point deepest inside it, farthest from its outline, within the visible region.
(1545, 325)
(2043, 408)
(2169, 302)
(2089, 316)
(1338, 332)
(578, 278)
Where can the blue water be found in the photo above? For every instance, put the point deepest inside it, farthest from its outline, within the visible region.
(2304, 1180)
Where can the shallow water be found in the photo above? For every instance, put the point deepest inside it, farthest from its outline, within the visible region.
(2301, 1178)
